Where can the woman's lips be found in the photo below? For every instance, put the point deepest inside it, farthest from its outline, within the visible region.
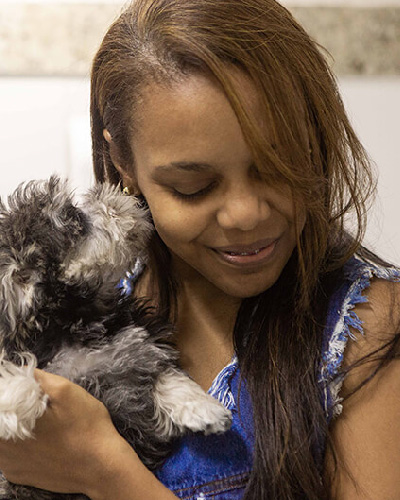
(255, 253)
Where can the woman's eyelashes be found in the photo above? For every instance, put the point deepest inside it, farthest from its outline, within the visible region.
(195, 195)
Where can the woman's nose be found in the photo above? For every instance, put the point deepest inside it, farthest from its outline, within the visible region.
(244, 208)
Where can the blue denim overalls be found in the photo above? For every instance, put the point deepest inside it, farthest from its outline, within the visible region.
(217, 467)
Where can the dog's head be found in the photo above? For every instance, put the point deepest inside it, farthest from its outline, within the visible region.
(51, 242)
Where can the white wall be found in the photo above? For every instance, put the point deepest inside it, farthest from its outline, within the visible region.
(373, 105)
(44, 128)
(347, 3)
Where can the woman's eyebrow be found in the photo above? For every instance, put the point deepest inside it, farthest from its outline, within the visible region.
(184, 166)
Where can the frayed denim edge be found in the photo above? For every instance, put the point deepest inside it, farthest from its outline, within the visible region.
(220, 388)
(348, 318)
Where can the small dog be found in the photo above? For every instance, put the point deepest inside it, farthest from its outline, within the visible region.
(61, 310)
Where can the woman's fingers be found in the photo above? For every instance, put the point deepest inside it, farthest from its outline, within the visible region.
(69, 444)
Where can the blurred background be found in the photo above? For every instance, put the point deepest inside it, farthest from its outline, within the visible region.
(46, 47)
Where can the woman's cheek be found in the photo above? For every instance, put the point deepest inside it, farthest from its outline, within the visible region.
(177, 220)
(174, 226)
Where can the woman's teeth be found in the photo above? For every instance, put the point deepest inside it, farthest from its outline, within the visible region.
(243, 254)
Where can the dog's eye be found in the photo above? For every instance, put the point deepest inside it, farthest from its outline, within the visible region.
(23, 276)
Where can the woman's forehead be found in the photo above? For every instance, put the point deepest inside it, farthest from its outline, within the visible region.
(193, 119)
(186, 119)
(192, 100)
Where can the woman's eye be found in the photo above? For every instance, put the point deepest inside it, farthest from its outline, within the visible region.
(195, 195)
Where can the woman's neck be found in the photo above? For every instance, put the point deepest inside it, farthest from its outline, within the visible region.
(204, 328)
(206, 305)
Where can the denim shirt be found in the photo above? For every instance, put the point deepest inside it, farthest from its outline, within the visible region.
(217, 467)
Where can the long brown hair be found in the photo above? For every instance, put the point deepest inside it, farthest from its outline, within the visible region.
(313, 149)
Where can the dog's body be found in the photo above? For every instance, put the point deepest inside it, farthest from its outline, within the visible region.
(61, 310)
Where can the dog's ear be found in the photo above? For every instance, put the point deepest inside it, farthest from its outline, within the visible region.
(38, 229)
(120, 229)
(18, 294)
(17, 276)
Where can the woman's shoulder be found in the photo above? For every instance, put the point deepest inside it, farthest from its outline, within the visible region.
(379, 317)
(366, 435)
(363, 314)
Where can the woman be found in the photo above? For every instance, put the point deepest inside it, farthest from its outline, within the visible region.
(225, 119)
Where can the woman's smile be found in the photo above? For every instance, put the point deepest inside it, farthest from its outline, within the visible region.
(248, 255)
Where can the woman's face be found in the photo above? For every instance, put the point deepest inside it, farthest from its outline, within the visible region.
(223, 225)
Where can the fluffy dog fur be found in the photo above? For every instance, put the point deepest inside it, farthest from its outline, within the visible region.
(60, 262)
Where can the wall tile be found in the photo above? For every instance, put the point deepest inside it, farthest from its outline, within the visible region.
(61, 39)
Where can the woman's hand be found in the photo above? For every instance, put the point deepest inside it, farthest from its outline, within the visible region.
(77, 449)
(73, 445)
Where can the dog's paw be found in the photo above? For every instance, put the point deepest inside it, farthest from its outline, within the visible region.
(182, 405)
(22, 400)
(207, 415)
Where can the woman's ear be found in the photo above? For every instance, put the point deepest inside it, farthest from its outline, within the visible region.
(128, 179)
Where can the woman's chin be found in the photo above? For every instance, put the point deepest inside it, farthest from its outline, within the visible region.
(246, 288)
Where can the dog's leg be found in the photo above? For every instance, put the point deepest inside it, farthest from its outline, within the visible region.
(22, 400)
(182, 405)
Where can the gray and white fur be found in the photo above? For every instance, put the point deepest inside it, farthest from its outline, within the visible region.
(61, 259)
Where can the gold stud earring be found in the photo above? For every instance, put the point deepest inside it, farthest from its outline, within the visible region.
(126, 191)
(107, 135)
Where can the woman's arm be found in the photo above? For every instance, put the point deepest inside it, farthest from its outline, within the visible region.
(367, 433)
(78, 450)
